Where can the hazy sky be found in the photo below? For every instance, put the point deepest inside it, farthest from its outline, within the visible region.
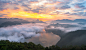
(43, 9)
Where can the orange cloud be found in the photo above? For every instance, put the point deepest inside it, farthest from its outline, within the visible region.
(19, 13)
(23, 14)
(56, 3)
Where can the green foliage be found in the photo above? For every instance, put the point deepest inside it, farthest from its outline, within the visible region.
(6, 45)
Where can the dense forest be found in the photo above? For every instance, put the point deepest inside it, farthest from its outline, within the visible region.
(7, 45)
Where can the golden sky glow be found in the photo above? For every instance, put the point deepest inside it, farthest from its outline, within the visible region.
(44, 10)
(23, 14)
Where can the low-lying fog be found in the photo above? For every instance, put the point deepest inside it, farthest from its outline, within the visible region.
(38, 33)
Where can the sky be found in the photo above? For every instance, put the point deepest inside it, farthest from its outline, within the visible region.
(43, 10)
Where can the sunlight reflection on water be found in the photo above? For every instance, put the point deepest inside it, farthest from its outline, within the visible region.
(46, 39)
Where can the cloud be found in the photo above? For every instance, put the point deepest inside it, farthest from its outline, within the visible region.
(65, 27)
(65, 7)
(67, 13)
(79, 5)
(46, 7)
(34, 0)
(29, 33)
(84, 14)
(1, 15)
(20, 33)
(78, 14)
(16, 8)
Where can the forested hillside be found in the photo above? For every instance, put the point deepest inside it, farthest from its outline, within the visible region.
(6, 45)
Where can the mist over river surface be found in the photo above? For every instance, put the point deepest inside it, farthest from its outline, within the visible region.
(45, 39)
(36, 32)
(29, 33)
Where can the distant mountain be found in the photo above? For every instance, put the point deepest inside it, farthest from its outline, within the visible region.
(55, 31)
(34, 20)
(8, 23)
(38, 21)
(64, 20)
(2, 20)
(83, 28)
(70, 21)
(61, 25)
(82, 23)
(73, 38)
(80, 20)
